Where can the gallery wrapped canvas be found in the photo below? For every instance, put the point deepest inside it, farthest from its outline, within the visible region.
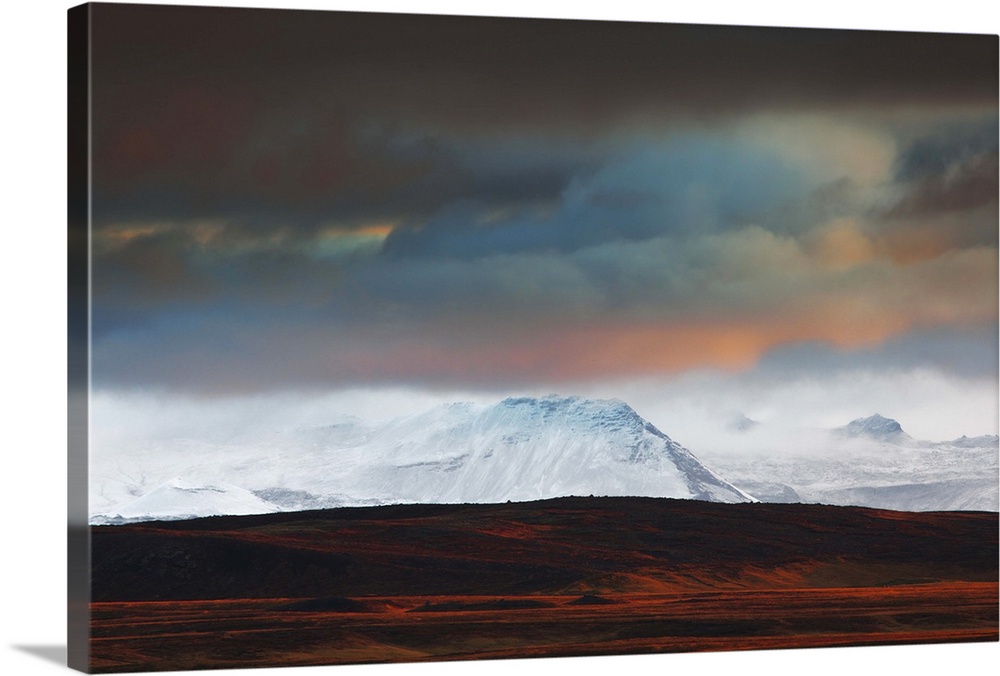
(402, 338)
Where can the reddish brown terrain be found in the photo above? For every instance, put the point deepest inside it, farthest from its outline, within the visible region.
(572, 576)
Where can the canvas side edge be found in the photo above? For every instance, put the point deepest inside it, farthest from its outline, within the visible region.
(78, 338)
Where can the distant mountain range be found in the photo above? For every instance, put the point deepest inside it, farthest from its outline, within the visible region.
(534, 448)
(870, 462)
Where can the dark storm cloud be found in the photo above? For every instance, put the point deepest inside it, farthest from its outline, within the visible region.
(679, 186)
(374, 174)
(225, 112)
(536, 68)
(493, 206)
(496, 199)
(969, 184)
(933, 154)
(496, 175)
(972, 185)
(946, 186)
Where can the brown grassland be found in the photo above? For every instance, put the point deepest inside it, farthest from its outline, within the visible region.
(571, 576)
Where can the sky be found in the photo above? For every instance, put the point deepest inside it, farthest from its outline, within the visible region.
(302, 214)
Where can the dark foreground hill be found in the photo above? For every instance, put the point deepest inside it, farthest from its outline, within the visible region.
(414, 582)
(546, 547)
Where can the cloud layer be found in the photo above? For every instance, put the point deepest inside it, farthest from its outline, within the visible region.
(322, 201)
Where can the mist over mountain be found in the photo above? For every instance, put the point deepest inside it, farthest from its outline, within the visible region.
(519, 449)
(525, 448)
(869, 461)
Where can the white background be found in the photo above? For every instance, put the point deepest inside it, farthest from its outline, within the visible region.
(33, 476)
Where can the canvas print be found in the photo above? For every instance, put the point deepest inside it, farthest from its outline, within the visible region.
(398, 338)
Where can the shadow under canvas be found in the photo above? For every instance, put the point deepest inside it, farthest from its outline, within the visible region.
(49, 653)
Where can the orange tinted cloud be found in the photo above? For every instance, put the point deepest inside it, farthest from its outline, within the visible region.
(114, 237)
(866, 312)
(593, 352)
(372, 230)
(640, 350)
(841, 244)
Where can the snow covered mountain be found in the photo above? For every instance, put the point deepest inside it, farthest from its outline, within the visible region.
(519, 449)
(876, 428)
(869, 462)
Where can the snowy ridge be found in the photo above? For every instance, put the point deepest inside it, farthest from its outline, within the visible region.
(180, 499)
(984, 441)
(519, 449)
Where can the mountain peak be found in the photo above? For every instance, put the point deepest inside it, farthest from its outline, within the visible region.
(875, 427)
(556, 409)
(739, 422)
